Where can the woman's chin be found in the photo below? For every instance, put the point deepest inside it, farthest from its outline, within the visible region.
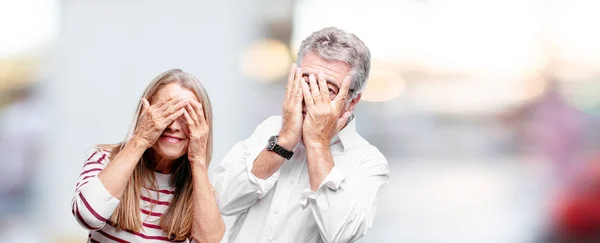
(170, 154)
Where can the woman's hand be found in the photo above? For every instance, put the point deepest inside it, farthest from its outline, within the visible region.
(155, 118)
(198, 133)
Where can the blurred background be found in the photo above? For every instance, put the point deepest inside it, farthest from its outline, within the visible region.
(487, 111)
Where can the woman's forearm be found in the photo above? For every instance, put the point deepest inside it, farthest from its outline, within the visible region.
(118, 172)
(208, 225)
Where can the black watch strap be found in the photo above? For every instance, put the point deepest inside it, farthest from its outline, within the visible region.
(281, 151)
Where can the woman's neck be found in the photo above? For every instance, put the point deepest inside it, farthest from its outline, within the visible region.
(161, 165)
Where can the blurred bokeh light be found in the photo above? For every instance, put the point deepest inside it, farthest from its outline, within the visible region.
(266, 60)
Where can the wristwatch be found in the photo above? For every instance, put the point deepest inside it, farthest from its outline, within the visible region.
(281, 151)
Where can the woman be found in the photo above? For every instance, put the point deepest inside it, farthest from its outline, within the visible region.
(154, 186)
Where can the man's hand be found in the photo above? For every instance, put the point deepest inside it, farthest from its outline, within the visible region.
(291, 129)
(323, 119)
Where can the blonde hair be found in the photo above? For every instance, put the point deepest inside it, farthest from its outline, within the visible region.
(177, 220)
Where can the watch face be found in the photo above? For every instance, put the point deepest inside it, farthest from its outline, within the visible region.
(272, 142)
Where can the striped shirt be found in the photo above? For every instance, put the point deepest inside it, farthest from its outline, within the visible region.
(92, 205)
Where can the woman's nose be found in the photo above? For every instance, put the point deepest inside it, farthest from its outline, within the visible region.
(175, 125)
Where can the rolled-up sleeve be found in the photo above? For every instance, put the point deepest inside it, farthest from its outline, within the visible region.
(344, 205)
(238, 188)
(92, 204)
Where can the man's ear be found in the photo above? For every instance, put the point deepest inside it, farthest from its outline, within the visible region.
(353, 103)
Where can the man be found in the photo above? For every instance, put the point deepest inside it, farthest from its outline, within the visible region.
(317, 179)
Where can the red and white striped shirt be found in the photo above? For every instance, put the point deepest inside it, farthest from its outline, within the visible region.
(92, 205)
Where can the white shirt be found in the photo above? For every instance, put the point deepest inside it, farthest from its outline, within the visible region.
(282, 208)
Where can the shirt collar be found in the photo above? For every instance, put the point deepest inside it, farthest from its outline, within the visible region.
(347, 136)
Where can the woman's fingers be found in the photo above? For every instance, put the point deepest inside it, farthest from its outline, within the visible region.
(161, 103)
(173, 117)
(175, 107)
(199, 112)
(145, 106)
(169, 105)
(188, 119)
(192, 112)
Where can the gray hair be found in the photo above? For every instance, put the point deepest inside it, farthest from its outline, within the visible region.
(335, 44)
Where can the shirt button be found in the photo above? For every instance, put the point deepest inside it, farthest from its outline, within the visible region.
(292, 182)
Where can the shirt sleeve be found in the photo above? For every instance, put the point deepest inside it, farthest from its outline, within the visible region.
(92, 204)
(344, 205)
(237, 187)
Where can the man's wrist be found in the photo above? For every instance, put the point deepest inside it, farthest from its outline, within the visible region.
(285, 142)
(315, 141)
(316, 145)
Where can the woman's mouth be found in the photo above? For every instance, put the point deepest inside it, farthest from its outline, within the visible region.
(170, 139)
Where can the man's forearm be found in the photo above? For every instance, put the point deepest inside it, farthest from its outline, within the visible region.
(320, 163)
(266, 164)
(208, 224)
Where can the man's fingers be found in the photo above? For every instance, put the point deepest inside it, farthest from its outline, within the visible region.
(308, 99)
(291, 78)
(297, 79)
(342, 96)
(314, 89)
(298, 87)
(323, 87)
